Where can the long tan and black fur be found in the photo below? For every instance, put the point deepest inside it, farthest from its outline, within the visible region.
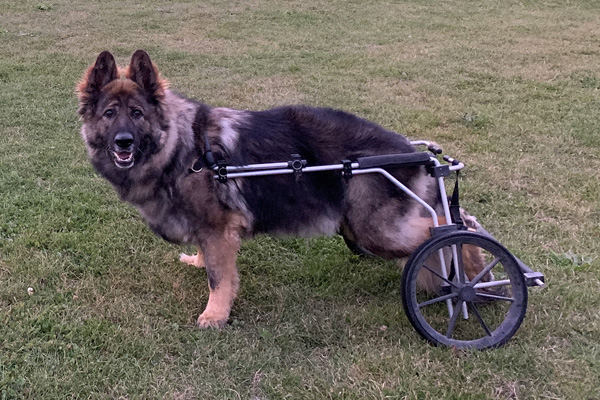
(143, 138)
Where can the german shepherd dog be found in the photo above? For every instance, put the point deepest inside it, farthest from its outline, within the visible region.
(143, 138)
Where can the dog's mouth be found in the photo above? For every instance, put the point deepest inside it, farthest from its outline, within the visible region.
(123, 159)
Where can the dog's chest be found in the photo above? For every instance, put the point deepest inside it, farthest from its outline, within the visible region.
(168, 221)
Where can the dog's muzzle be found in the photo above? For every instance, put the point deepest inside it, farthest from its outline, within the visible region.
(123, 150)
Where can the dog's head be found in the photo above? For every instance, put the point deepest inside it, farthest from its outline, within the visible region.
(122, 118)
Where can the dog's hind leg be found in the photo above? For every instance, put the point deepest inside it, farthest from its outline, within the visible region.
(404, 236)
(220, 254)
(392, 227)
(197, 260)
(473, 262)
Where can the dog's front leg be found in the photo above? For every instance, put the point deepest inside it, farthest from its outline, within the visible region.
(220, 255)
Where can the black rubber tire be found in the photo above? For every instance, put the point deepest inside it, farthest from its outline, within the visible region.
(513, 316)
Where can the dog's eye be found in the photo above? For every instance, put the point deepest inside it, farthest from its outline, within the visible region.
(109, 113)
(136, 113)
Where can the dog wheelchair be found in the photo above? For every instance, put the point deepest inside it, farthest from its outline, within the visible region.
(492, 303)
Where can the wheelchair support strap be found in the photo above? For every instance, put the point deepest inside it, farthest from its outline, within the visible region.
(455, 204)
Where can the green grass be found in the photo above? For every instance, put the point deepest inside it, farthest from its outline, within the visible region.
(511, 88)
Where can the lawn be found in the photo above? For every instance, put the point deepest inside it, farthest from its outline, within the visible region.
(511, 88)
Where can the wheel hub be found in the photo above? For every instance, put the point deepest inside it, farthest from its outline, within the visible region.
(467, 293)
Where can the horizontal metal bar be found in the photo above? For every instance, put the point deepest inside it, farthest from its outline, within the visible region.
(258, 173)
(530, 279)
(331, 167)
(484, 285)
(281, 171)
(256, 167)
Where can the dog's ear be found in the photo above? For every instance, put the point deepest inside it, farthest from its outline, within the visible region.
(94, 79)
(145, 74)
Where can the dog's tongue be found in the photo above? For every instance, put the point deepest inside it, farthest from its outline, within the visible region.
(123, 155)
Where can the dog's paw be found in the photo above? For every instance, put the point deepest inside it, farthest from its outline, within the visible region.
(208, 320)
(196, 260)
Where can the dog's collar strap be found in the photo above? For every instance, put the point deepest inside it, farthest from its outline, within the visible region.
(208, 154)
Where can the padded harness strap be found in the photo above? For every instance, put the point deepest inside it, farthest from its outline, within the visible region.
(390, 160)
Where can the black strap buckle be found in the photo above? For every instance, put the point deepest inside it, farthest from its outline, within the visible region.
(439, 171)
(222, 171)
(347, 170)
(297, 164)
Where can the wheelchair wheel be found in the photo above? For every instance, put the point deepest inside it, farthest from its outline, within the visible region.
(493, 295)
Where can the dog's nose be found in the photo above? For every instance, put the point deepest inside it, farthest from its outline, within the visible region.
(124, 139)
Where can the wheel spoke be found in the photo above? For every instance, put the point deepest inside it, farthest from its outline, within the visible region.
(475, 311)
(455, 314)
(484, 271)
(495, 297)
(437, 299)
(439, 276)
